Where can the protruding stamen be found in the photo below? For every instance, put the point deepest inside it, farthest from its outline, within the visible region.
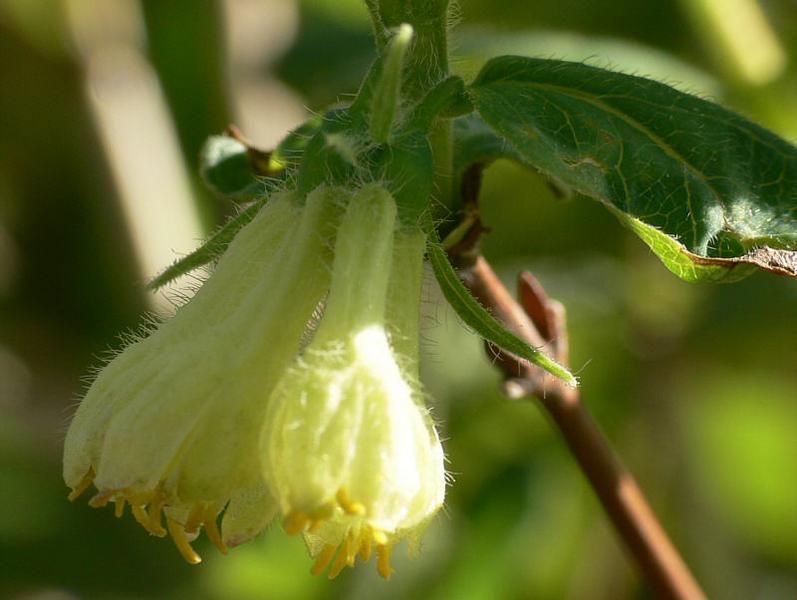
(155, 509)
(365, 546)
(353, 508)
(383, 560)
(140, 515)
(341, 560)
(212, 529)
(295, 522)
(100, 499)
(82, 486)
(178, 535)
(119, 506)
(323, 559)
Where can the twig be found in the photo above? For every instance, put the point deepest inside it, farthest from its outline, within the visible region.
(541, 322)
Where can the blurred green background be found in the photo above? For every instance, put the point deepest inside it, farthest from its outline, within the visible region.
(103, 108)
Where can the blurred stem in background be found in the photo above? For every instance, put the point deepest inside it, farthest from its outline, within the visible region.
(135, 128)
(187, 46)
(747, 50)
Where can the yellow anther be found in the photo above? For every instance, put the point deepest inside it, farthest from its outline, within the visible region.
(82, 486)
(365, 547)
(101, 499)
(212, 529)
(194, 520)
(323, 512)
(383, 560)
(341, 560)
(295, 522)
(315, 525)
(178, 535)
(379, 537)
(323, 559)
(155, 526)
(140, 515)
(119, 506)
(346, 503)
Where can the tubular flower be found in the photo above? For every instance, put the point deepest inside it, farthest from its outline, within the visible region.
(350, 451)
(171, 424)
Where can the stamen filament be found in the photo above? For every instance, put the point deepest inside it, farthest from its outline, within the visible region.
(212, 530)
(178, 535)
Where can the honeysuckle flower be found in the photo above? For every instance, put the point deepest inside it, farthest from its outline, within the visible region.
(350, 451)
(171, 424)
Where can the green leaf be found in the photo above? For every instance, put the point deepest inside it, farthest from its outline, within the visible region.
(289, 151)
(475, 142)
(447, 99)
(210, 250)
(711, 193)
(476, 316)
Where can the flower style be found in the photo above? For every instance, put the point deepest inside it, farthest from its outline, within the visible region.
(171, 424)
(350, 451)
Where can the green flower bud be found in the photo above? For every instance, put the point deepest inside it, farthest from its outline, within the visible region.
(350, 451)
(171, 424)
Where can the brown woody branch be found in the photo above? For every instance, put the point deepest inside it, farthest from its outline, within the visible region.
(541, 322)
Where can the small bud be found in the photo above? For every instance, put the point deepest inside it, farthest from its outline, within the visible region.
(388, 89)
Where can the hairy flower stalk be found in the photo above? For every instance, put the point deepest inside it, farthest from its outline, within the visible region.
(171, 424)
(350, 451)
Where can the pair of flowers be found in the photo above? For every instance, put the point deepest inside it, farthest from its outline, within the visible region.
(246, 403)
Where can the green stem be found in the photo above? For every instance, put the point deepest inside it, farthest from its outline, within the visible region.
(441, 138)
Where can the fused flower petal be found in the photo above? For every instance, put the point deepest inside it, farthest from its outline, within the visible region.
(350, 451)
(170, 425)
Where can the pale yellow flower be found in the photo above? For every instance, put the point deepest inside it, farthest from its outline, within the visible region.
(170, 425)
(350, 451)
